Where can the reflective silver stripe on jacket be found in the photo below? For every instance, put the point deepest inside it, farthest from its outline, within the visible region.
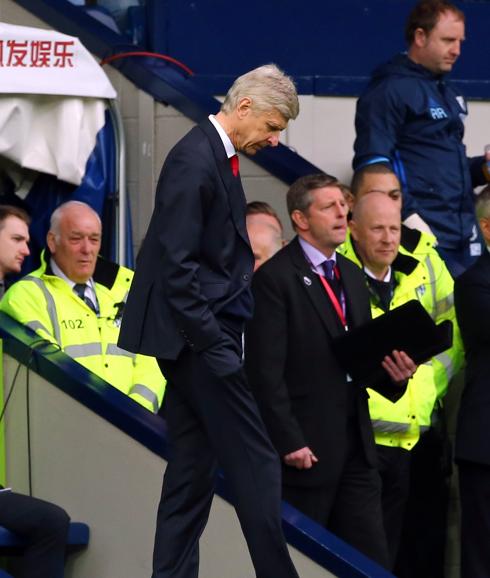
(53, 316)
(432, 283)
(145, 392)
(113, 349)
(443, 305)
(84, 350)
(447, 362)
(382, 426)
(35, 325)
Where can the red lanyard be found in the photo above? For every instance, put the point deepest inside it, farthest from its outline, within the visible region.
(340, 309)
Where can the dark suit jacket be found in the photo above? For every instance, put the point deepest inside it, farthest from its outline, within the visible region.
(302, 392)
(196, 256)
(472, 300)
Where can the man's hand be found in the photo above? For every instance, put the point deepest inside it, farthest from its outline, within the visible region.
(302, 459)
(222, 358)
(399, 366)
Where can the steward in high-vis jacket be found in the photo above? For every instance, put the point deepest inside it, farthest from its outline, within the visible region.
(400, 424)
(85, 326)
(47, 304)
(378, 177)
(439, 284)
(397, 426)
(425, 520)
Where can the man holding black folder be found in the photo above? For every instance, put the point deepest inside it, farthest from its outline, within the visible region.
(393, 279)
(305, 296)
(422, 546)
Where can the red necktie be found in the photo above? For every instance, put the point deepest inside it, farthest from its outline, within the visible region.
(235, 165)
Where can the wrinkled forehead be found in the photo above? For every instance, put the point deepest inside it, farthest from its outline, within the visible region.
(329, 192)
(80, 223)
(271, 115)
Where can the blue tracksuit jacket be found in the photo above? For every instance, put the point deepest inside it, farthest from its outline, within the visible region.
(414, 120)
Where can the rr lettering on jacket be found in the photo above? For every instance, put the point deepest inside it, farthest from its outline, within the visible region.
(437, 113)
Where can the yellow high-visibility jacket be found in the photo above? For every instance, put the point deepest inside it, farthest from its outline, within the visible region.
(400, 424)
(48, 305)
(421, 246)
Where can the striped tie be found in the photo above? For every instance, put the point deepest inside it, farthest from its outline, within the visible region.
(79, 289)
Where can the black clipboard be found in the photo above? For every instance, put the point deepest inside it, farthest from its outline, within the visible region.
(406, 328)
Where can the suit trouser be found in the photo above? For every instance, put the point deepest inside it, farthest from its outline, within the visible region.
(394, 469)
(423, 542)
(351, 508)
(45, 528)
(215, 421)
(474, 486)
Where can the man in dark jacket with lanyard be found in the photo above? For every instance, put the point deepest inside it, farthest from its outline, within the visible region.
(305, 296)
(411, 118)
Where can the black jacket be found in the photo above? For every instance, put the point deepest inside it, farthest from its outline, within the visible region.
(472, 301)
(196, 257)
(302, 392)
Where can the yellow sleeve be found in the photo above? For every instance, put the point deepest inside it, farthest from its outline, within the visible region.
(148, 383)
(25, 303)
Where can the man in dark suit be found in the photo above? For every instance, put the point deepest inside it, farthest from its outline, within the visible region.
(187, 306)
(317, 418)
(472, 450)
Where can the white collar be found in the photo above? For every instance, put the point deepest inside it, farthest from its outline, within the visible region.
(387, 277)
(225, 139)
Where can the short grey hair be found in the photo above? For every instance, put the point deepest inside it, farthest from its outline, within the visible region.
(482, 203)
(57, 215)
(268, 88)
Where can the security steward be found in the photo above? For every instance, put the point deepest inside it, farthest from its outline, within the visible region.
(422, 547)
(393, 278)
(76, 300)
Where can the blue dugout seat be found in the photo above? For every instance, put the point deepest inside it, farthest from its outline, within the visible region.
(78, 537)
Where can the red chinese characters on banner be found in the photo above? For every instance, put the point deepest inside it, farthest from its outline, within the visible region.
(37, 53)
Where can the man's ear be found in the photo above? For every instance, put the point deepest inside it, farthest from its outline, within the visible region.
(353, 229)
(300, 220)
(420, 38)
(51, 242)
(244, 107)
(484, 223)
(350, 200)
